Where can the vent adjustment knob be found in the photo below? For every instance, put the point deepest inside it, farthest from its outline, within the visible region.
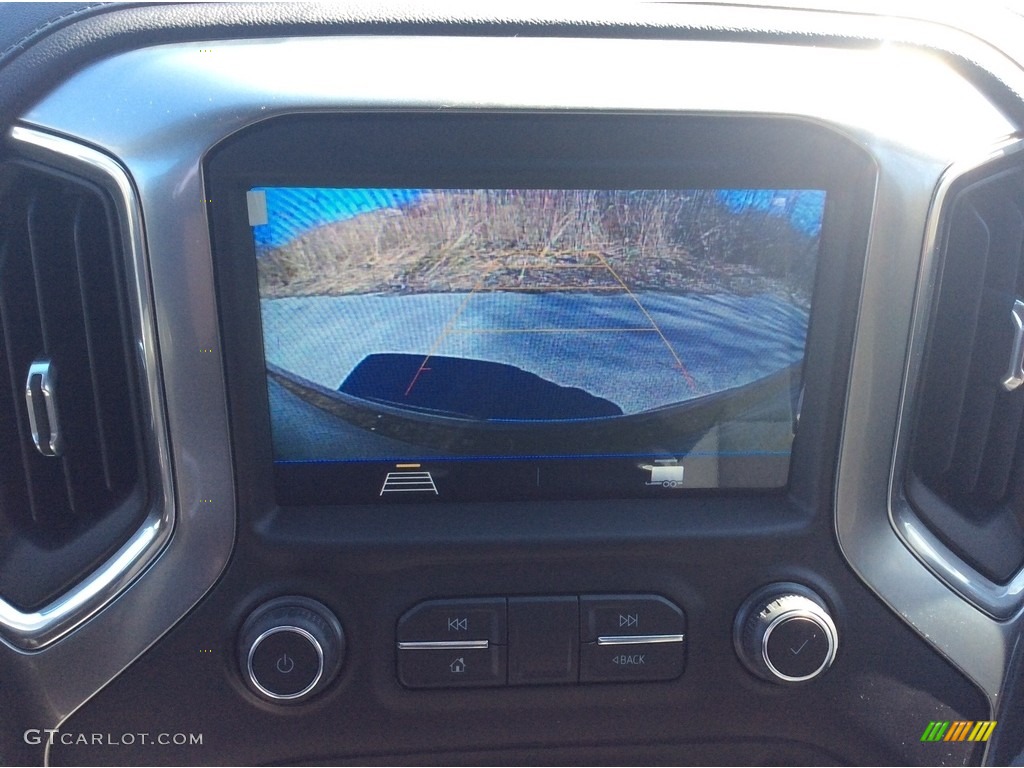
(784, 634)
(290, 649)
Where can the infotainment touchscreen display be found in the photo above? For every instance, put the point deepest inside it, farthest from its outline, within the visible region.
(444, 344)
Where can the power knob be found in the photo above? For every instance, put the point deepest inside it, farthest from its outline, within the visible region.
(784, 634)
(290, 648)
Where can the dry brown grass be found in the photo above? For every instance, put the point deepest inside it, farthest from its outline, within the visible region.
(450, 241)
(524, 240)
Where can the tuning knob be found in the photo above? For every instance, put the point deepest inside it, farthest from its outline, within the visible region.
(290, 649)
(784, 634)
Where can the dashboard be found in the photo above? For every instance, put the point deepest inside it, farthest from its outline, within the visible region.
(413, 385)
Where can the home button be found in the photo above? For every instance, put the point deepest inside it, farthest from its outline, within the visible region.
(451, 665)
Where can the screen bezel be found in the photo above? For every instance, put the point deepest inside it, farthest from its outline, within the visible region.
(515, 150)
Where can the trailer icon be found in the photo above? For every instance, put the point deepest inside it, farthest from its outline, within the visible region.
(665, 474)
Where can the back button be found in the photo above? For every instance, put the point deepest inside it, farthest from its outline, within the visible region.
(625, 663)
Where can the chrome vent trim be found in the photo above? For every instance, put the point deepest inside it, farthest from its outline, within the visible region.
(34, 630)
(1015, 371)
(1002, 600)
(40, 401)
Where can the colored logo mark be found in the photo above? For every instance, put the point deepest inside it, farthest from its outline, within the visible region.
(958, 730)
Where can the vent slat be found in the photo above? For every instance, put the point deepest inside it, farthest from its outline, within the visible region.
(1015, 487)
(51, 239)
(1006, 223)
(44, 482)
(993, 482)
(981, 422)
(103, 308)
(956, 325)
(972, 437)
(15, 504)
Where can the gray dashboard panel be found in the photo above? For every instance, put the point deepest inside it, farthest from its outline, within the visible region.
(159, 110)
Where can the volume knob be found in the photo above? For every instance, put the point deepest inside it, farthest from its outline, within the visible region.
(784, 634)
(290, 649)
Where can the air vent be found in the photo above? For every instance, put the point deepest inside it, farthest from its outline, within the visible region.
(967, 463)
(72, 474)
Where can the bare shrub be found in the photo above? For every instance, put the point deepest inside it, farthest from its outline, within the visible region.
(461, 240)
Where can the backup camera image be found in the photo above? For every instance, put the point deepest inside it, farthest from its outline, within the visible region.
(655, 327)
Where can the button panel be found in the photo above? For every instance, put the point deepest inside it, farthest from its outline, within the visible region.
(542, 640)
